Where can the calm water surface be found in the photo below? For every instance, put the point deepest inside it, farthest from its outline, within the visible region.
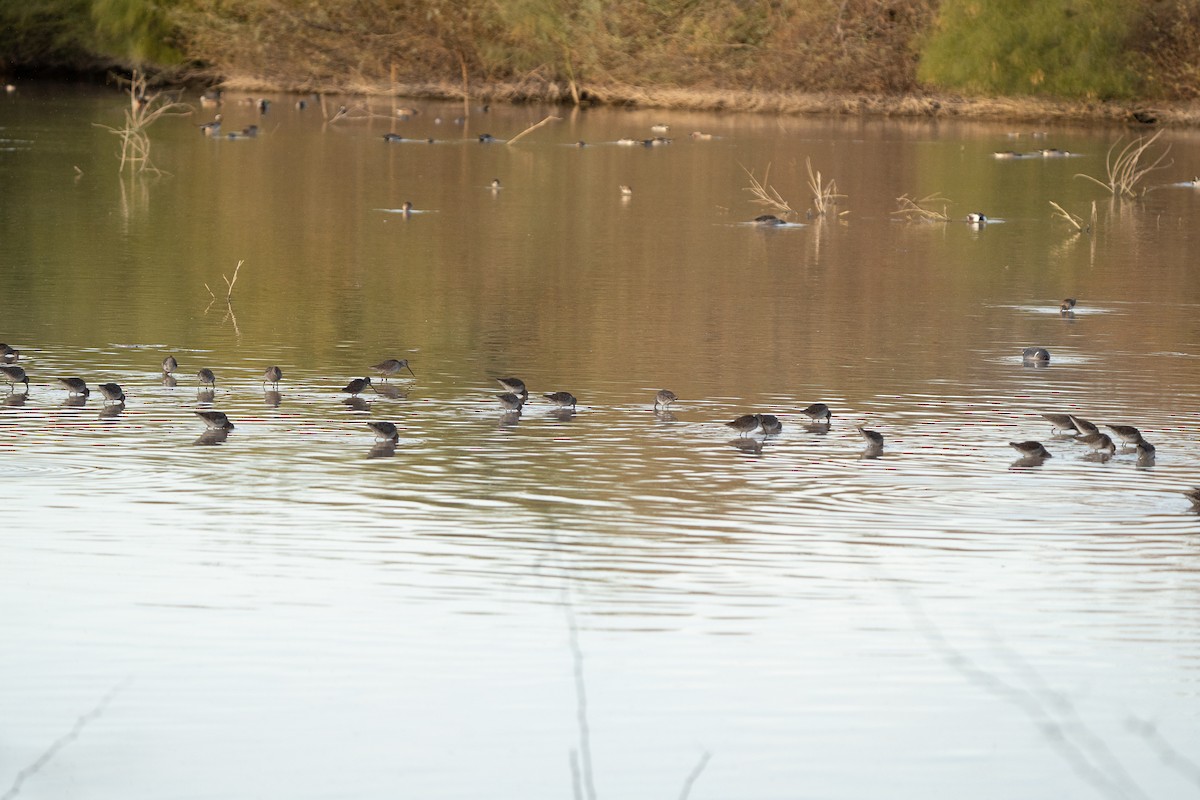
(610, 603)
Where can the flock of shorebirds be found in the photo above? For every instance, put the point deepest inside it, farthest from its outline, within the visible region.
(515, 395)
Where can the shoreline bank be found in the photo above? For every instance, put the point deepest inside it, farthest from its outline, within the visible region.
(930, 105)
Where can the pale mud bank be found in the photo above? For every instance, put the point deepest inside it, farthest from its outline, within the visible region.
(910, 105)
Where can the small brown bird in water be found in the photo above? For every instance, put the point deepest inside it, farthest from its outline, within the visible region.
(1126, 433)
(746, 424)
(1100, 442)
(215, 419)
(273, 376)
(1060, 422)
(514, 385)
(818, 412)
(112, 392)
(393, 366)
(1030, 449)
(1067, 305)
(169, 365)
(561, 399)
(357, 385)
(75, 386)
(771, 426)
(664, 398)
(1083, 426)
(206, 377)
(384, 430)
(1036, 354)
(873, 438)
(511, 401)
(14, 375)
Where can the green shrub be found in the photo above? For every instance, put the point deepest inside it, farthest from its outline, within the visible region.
(86, 34)
(1068, 48)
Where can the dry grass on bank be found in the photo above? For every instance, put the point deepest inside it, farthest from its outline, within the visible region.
(910, 105)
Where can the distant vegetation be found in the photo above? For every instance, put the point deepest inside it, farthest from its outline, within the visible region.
(570, 49)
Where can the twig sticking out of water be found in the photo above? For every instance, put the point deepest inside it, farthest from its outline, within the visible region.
(825, 195)
(1062, 213)
(1076, 222)
(765, 194)
(1126, 170)
(228, 283)
(144, 110)
(534, 127)
(915, 210)
(60, 743)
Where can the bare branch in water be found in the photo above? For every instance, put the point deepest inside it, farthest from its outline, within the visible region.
(229, 283)
(533, 128)
(145, 108)
(1063, 214)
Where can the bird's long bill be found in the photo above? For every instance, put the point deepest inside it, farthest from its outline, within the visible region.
(410, 372)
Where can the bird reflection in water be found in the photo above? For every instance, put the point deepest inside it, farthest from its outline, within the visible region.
(112, 410)
(384, 449)
(212, 436)
(391, 391)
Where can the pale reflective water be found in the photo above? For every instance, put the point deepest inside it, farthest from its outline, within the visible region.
(587, 604)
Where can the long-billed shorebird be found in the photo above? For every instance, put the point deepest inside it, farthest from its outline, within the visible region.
(215, 419)
(818, 412)
(1083, 426)
(393, 366)
(354, 387)
(75, 386)
(561, 399)
(14, 375)
(112, 392)
(206, 377)
(514, 385)
(873, 438)
(771, 426)
(1126, 433)
(1100, 442)
(511, 401)
(1030, 449)
(384, 430)
(169, 365)
(746, 424)
(1060, 422)
(664, 398)
(273, 376)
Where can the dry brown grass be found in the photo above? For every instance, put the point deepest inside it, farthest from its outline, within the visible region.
(1077, 222)
(1127, 167)
(766, 195)
(825, 194)
(911, 210)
